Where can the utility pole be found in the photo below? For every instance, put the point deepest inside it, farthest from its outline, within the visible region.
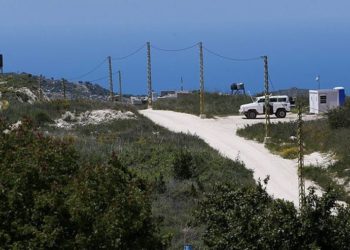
(301, 182)
(39, 87)
(149, 75)
(111, 94)
(267, 100)
(201, 80)
(64, 88)
(182, 84)
(120, 87)
(1, 65)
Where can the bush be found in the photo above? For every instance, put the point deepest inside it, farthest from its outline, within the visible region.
(49, 201)
(289, 153)
(42, 118)
(248, 218)
(340, 117)
(183, 165)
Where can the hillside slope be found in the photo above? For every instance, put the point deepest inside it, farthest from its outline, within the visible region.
(178, 169)
(220, 133)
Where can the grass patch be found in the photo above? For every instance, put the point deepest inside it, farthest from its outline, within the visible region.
(215, 104)
(325, 179)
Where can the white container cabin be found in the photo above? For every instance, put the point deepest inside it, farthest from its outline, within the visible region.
(323, 100)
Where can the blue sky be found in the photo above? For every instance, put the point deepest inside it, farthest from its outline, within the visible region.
(60, 38)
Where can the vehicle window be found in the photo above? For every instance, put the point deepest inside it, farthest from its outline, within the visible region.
(273, 99)
(261, 100)
(282, 99)
(323, 99)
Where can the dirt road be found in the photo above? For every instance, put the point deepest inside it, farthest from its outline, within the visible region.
(220, 133)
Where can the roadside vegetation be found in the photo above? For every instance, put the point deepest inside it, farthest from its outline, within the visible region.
(330, 134)
(215, 104)
(248, 218)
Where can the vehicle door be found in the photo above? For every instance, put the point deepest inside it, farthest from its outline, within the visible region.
(273, 104)
(283, 102)
(261, 106)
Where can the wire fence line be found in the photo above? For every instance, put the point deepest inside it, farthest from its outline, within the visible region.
(131, 54)
(175, 50)
(102, 63)
(136, 51)
(231, 58)
(89, 72)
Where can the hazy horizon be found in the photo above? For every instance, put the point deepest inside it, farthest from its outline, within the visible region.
(303, 39)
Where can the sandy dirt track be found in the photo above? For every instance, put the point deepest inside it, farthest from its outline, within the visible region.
(220, 133)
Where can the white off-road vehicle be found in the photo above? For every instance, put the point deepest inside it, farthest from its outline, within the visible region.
(279, 105)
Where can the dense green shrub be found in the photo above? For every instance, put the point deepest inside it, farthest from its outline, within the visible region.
(290, 152)
(49, 201)
(339, 117)
(248, 218)
(112, 209)
(42, 118)
(183, 165)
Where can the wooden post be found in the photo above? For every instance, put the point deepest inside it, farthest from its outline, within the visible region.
(64, 88)
(301, 181)
(111, 94)
(39, 87)
(120, 87)
(267, 100)
(149, 75)
(201, 81)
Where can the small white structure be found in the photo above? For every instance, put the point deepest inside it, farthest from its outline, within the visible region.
(323, 100)
(134, 100)
(154, 96)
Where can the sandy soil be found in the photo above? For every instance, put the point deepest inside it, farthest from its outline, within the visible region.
(220, 133)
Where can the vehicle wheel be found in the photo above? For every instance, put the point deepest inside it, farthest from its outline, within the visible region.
(251, 114)
(281, 113)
